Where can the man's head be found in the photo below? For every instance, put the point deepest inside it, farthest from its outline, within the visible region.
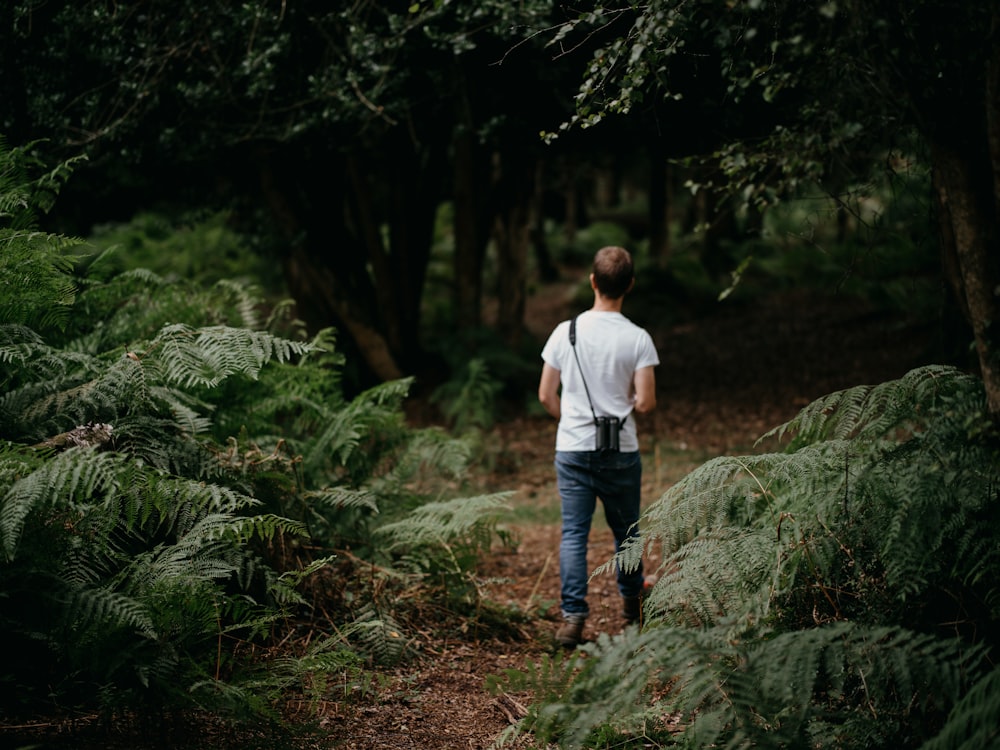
(613, 272)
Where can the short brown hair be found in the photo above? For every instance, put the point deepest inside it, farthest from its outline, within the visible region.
(613, 271)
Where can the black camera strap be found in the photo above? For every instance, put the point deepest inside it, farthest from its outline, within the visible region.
(572, 343)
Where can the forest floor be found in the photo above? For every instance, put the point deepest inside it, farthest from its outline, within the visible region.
(725, 379)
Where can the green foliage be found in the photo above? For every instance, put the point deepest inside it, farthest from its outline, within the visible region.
(799, 93)
(469, 400)
(247, 76)
(442, 541)
(174, 469)
(549, 680)
(839, 593)
(33, 273)
(121, 567)
(199, 248)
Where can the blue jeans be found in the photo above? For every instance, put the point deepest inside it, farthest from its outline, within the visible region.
(584, 476)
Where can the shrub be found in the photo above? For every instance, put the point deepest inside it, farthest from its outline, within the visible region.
(175, 462)
(840, 593)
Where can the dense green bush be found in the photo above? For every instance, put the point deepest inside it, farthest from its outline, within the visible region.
(190, 245)
(839, 593)
(177, 462)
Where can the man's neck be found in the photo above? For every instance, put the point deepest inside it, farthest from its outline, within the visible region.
(606, 304)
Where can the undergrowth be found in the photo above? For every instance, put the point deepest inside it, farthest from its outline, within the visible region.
(840, 592)
(192, 513)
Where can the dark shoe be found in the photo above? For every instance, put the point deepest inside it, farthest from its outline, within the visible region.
(632, 609)
(570, 634)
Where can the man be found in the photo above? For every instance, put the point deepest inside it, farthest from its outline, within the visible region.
(607, 372)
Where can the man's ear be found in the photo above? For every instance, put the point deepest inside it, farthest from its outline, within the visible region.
(631, 284)
(593, 284)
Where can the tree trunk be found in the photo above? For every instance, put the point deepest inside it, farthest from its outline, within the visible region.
(414, 195)
(318, 285)
(515, 191)
(471, 227)
(319, 279)
(993, 113)
(966, 177)
(968, 238)
(547, 270)
(660, 198)
(367, 221)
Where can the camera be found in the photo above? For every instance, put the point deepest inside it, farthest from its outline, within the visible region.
(606, 433)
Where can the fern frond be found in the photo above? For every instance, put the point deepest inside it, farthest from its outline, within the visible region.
(871, 411)
(37, 288)
(103, 608)
(793, 679)
(972, 723)
(344, 430)
(108, 391)
(190, 414)
(469, 401)
(282, 588)
(180, 501)
(441, 523)
(244, 300)
(194, 558)
(19, 344)
(752, 490)
(720, 575)
(75, 476)
(189, 357)
(376, 633)
(266, 526)
(426, 453)
(343, 497)
(762, 693)
(29, 362)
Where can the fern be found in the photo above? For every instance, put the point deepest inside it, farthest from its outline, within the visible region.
(283, 587)
(972, 723)
(841, 592)
(119, 562)
(337, 498)
(344, 432)
(184, 356)
(30, 263)
(33, 265)
(469, 402)
(796, 689)
(869, 412)
(73, 478)
(143, 562)
(376, 633)
(442, 542)
(549, 680)
(447, 526)
(100, 606)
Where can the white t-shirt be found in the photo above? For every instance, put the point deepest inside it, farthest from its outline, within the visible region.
(611, 348)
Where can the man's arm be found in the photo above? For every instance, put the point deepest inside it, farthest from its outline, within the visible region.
(645, 389)
(548, 390)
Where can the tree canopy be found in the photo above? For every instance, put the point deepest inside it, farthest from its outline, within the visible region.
(834, 89)
(341, 131)
(335, 122)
